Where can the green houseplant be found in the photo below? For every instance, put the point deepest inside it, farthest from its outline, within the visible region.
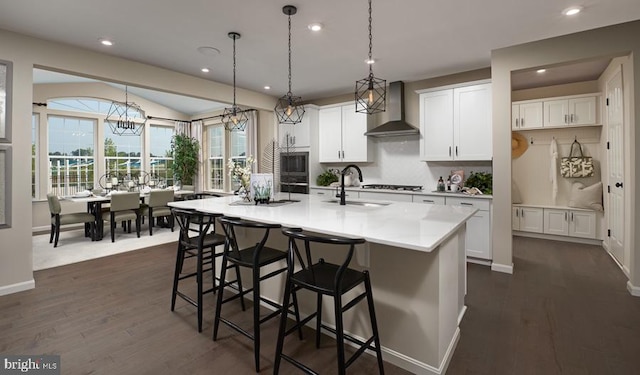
(481, 180)
(184, 150)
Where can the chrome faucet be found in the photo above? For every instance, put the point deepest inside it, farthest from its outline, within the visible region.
(345, 170)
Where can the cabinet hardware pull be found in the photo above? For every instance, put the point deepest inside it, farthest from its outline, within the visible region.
(618, 184)
(428, 201)
(522, 212)
(456, 150)
(449, 150)
(517, 212)
(572, 216)
(522, 122)
(565, 216)
(517, 122)
(572, 120)
(565, 119)
(466, 204)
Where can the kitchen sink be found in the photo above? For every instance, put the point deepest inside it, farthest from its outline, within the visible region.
(360, 203)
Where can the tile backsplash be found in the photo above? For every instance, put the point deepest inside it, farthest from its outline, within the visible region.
(397, 161)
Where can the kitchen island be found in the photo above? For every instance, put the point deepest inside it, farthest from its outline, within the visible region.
(414, 253)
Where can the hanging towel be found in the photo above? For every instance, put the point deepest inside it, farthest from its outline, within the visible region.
(553, 169)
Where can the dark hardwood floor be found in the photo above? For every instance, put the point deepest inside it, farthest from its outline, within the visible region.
(564, 311)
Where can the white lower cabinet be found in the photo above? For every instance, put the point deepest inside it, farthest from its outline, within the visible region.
(478, 237)
(527, 219)
(555, 221)
(574, 223)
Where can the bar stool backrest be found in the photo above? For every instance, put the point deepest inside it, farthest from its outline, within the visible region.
(228, 225)
(306, 260)
(194, 225)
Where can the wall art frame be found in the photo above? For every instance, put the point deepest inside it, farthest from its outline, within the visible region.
(6, 80)
(5, 186)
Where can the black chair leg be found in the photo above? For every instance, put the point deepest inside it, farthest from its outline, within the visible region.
(55, 243)
(176, 275)
(256, 317)
(223, 273)
(199, 281)
(339, 334)
(318, 319)
(53, 233)
(137, 226)
(374, 321)
(283, 326)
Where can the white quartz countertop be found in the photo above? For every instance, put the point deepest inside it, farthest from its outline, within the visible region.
(413, 226)
(418, 192)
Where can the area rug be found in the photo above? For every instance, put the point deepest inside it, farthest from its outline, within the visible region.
(73, 247)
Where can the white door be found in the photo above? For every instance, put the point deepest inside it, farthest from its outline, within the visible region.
(615, 162)
(436, 125)
(472, 127)
(330, 134)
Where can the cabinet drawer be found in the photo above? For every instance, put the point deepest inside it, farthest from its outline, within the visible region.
(480, 204)
(428, 199)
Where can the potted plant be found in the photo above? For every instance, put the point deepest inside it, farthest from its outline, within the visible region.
(184, 150)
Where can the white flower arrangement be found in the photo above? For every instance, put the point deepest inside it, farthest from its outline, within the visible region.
(241, 173)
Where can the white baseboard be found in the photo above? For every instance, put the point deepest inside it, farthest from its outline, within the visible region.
(462, 314)
(483, 262)
(502, 268)
(586, 241)
(634, 290)
(19, 287)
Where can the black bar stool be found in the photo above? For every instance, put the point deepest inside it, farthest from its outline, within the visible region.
(197, 239)
(329, 279)
(253, 257)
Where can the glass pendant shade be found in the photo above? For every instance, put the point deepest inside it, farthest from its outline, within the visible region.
(289, 108)
(234, 118)
(126, 118)
(371, 92)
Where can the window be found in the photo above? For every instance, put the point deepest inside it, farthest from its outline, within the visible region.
(238, 152)
(71, 154)
(160, 154)
(88, 105)
(122, 155)
(216, 157)
(35, 119)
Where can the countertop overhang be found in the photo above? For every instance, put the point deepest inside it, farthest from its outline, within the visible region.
(406, 225)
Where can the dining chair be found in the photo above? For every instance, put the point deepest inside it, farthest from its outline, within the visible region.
(58, 219)
(158, 208)
(124, 208)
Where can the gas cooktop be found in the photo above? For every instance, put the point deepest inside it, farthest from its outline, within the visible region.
(393, 187)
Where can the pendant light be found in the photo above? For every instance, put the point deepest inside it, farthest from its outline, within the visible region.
(371, 92)
(126, 118)
(234, 118)
(289, 108)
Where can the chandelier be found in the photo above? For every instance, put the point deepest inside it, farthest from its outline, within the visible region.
(234, 118)
(371, 92)
(126, 118)
(289, 109)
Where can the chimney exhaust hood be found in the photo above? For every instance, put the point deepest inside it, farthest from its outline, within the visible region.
(396, 126)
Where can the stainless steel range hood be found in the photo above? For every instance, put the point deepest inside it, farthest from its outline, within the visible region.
(396, 126)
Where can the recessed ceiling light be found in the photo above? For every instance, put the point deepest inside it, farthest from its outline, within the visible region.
(105, 42)
(205, 70)
(316, 26)
(370, 61)
(209, 51)
(572, 11)
(540, 71)
(267, 87)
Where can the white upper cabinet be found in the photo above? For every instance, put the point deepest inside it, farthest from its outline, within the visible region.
(573, 111)
(455, 124)
(526, 115)
(341, 135)
(299, 135)
(558, 112)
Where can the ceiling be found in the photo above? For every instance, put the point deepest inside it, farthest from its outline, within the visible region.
(412, 39)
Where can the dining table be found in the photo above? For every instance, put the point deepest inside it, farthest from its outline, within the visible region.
(94, 206)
